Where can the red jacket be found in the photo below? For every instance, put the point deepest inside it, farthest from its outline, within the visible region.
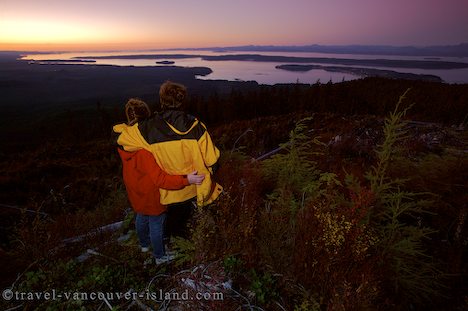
(143, 178)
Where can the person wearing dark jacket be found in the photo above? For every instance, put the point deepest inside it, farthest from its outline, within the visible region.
(143, 179)
(180, 143)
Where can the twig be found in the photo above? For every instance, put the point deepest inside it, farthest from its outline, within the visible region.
(15, 308)
(268, 154)
(253, 307)
(234, 146)
(20, 275)
(243, 297)
(110, 227)
(166, 302)
(277, 303)
(182, 272)
(155, 277)
(138, 302)
(107, 303)
(23, 209)
(422, 123)
(95, 253)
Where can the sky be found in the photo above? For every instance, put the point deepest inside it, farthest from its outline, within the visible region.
(73, 25)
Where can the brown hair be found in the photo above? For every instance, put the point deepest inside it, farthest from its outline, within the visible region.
(136, 110)
(172, 95)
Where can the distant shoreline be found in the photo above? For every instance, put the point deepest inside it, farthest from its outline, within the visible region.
(59, 61)
(395, 63)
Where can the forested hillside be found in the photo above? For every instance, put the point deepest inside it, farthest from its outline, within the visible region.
(362, 206)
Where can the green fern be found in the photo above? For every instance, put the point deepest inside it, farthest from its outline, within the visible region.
(413, 273)
(185, 250)
(394, 132)
(294, 171)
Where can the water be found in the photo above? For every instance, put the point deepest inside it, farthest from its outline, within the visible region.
(262, 72)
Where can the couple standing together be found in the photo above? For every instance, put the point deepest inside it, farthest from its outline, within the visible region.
(168, 158)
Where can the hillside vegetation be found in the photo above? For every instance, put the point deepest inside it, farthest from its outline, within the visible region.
(362, 207)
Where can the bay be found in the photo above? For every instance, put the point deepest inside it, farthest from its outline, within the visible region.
(246, 70)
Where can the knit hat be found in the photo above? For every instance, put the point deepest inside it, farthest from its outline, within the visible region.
(172, 95)
(136, 110)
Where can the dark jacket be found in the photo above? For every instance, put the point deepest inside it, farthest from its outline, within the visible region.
(180, 143)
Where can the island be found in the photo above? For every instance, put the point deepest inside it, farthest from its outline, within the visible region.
(363, 72)
(166, 62)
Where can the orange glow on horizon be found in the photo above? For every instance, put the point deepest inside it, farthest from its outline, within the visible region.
(45, 32)
(120, 44)
(77, 47)
(40, 35)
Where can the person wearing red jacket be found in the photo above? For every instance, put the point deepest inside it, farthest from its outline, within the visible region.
(143, 178)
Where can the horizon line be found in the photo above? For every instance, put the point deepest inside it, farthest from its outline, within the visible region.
(312, 45)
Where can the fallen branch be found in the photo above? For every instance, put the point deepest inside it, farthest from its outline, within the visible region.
(270, 153)
(23, 209)
(15, 308)
(237, 140)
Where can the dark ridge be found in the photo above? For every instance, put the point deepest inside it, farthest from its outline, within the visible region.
(426, 64)
(421, 64)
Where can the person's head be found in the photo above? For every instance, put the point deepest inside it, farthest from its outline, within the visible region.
(136, 110)
(172, 95)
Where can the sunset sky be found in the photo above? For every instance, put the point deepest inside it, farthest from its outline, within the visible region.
(154, 24)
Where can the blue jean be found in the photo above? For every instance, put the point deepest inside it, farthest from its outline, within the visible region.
(150, 229)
